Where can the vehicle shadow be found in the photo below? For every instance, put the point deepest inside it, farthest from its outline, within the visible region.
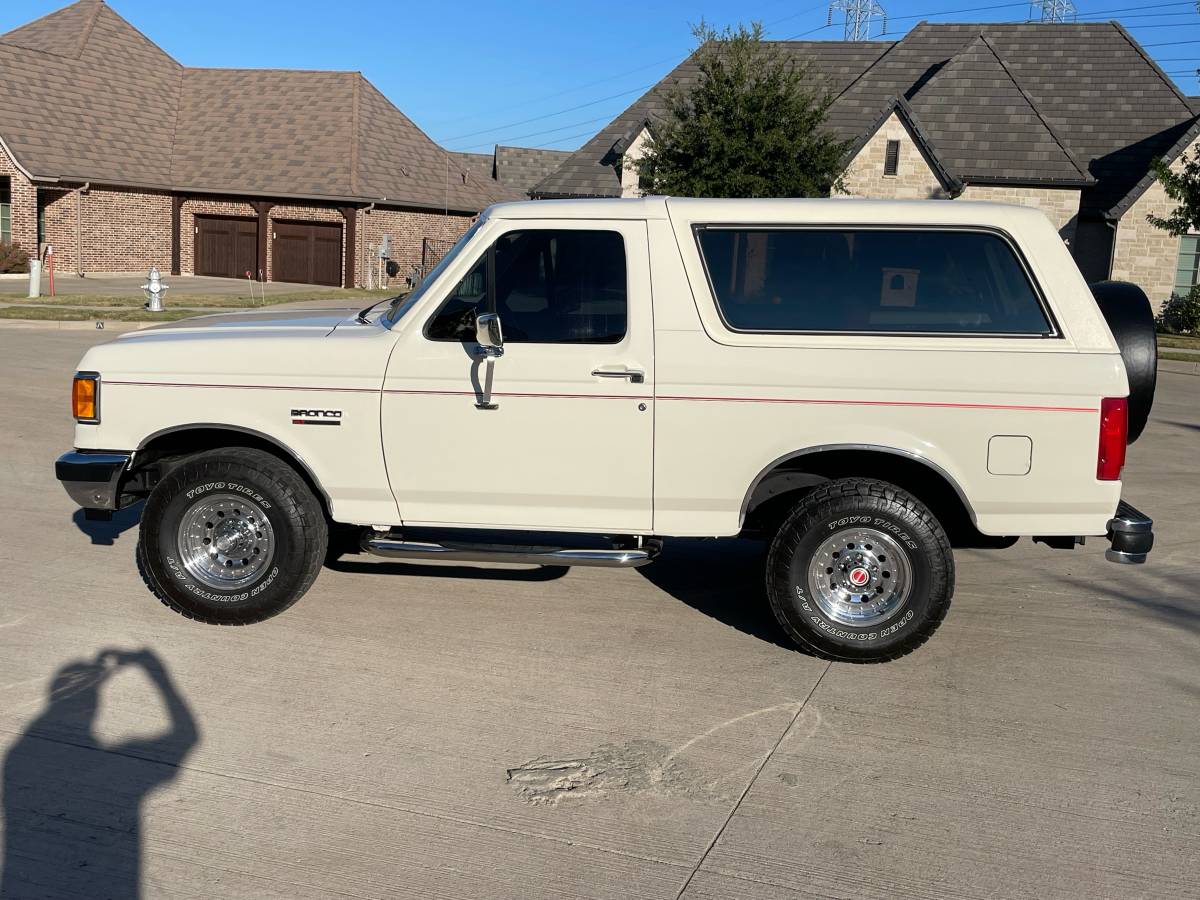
(723, 581)
(106, 533)
(478, 572)
(1172, 600)
(72, 803)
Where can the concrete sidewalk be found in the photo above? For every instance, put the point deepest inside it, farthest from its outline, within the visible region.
(422, 730)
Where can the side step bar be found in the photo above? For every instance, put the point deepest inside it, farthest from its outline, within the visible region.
(398, 548)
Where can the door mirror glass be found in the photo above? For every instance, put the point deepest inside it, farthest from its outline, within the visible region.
(488, 333)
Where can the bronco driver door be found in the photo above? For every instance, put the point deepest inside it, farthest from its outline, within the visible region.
(541, 418)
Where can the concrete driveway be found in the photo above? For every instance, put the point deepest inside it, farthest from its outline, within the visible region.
(421, 731)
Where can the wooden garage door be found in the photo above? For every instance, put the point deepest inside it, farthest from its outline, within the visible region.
(307, 252)
(226, 247)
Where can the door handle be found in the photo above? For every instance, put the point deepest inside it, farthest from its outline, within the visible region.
(635, 376)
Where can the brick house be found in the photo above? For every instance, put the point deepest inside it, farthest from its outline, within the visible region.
(122, 159)
(1066, 118)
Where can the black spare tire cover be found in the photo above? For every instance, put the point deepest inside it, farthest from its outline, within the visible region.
(1131, 321)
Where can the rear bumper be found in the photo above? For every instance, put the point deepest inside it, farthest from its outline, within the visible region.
(1131, 535)
(93, 477)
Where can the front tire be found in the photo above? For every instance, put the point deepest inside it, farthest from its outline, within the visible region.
(231, 537)
(860, 571)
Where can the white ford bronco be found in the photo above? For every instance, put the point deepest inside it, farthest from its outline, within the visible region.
(861, 384)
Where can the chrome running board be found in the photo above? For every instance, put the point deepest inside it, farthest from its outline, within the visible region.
(398, 548)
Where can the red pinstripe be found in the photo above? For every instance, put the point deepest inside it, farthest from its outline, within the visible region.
(553, 396)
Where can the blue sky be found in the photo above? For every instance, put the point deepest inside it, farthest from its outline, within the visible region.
(542, 73)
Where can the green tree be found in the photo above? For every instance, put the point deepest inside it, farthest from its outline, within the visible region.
(1182, 186)
(751, 126)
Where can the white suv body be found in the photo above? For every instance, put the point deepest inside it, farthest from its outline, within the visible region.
(664, 402)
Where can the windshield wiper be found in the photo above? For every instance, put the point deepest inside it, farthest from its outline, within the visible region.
(362, 313)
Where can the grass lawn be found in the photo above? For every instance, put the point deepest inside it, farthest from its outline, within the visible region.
(1179, 357)
(81, 314)
(210, 301)
(1180, 341)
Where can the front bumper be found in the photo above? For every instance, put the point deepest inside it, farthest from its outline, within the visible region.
(93, 477)
(1131, 534)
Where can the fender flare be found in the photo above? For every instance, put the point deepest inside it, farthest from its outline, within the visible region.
(876, 448)
(290, 454)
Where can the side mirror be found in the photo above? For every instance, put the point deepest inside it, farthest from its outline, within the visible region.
(488, 334)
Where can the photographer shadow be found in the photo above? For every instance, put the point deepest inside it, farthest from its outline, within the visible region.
(72, 803)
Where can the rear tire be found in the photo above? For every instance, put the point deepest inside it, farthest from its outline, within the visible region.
(231, 537)
(860, 571)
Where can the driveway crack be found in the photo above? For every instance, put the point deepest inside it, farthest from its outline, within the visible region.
(753, 778)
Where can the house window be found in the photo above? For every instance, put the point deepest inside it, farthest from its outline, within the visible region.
(891, 158)
(42, 200)
(1187, 272)
(5, 209)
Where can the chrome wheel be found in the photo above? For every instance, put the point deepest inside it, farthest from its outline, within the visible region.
(860, 576)
(225, 541)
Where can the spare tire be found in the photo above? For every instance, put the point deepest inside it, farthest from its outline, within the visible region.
(1131, 321)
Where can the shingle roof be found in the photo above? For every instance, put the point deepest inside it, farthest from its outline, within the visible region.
(85, 96)
(521, 168)
(1026, 103)
(590, 172)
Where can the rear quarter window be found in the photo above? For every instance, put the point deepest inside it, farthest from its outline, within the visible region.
(890, 281)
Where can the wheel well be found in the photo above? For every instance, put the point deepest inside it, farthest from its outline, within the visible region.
(781, 486)
(165, 450)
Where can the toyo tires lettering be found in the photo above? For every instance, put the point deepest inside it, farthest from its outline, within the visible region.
(875, 522)
(229, 486)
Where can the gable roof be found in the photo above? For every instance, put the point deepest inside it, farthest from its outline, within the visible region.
(84, 96)
(1186, 138)
(1026, 103)
(590, 170)
(925, 147)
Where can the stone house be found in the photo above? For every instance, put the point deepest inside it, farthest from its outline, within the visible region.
(121, 159)
(1063, 117)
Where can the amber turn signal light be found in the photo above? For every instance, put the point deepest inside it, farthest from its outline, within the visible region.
(85, 397)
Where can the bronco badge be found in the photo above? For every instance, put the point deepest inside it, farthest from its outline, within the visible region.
(316, 417)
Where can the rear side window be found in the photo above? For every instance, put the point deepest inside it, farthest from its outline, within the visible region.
(549, 286)
(924, 281)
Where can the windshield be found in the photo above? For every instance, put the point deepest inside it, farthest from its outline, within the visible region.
(405, 302)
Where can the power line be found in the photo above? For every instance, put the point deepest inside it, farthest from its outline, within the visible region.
(1088, 15)
(550, 115)
(518, 137)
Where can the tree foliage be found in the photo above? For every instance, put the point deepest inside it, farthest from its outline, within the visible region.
(1182, 186)
(13, 258)
(753, 125)
(1181, 315)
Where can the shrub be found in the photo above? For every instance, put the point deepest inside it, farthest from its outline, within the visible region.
(1181, 315)
(12, 258)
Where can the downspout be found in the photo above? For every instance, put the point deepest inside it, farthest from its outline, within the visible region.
(361, 252)
(1112, 253)
(87, 186)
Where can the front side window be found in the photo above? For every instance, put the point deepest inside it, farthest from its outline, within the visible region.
(548, 286)
(5, 209)
(923, 281)
(1187, 272)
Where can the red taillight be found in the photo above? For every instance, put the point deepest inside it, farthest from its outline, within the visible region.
(1114, 429)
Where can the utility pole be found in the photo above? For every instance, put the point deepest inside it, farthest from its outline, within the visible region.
(859, 17)
(1052, 11)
